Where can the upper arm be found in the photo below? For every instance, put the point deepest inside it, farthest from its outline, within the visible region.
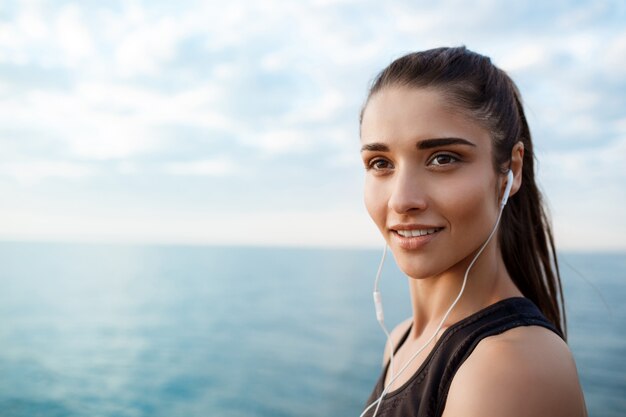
(396, 334)
(530, 372)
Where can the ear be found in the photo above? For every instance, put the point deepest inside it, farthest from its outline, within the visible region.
(517, 163)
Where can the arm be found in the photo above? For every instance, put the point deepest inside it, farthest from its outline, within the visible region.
(525, 372)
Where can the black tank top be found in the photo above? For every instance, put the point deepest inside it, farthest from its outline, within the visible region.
(425, 393)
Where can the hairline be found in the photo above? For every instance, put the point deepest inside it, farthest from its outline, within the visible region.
(454, 105)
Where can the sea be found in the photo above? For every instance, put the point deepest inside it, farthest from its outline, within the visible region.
(152, 330)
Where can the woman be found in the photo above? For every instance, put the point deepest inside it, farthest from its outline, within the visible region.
(444, 138)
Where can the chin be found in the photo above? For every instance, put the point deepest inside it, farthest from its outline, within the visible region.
(423, 265)
(417, 269)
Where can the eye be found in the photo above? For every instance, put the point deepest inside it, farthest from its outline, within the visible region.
(379, 164)
(443, 159)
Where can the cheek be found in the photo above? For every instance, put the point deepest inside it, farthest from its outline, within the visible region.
(470, 207)
(375, 202)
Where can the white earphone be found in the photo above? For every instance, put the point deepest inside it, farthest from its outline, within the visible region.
(380, 317)
(507, 190)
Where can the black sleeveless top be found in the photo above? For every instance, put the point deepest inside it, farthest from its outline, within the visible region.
(425, 393)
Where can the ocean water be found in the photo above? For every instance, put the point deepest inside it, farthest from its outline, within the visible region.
(130, 331)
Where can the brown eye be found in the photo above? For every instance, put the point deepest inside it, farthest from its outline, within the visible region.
(443, 159)
(379, 164)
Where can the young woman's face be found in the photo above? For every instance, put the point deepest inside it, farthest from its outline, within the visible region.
(430, 187)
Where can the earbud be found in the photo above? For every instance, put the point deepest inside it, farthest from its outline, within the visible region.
(507, 190)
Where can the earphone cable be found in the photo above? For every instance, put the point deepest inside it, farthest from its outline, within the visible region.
(378, 402)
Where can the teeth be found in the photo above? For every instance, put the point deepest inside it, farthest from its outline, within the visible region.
(418, 232)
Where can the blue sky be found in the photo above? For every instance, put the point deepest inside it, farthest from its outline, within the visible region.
(236, 122)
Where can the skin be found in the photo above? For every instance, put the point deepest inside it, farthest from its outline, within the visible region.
(429, 166)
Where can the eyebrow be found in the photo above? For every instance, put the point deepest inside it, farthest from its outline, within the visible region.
(435, 143)
(423, 144)
(375, 147)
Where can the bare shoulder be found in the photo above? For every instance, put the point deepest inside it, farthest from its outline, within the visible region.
(523, 372)
(396, 334)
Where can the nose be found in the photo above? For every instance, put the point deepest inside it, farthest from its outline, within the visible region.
(407, 193)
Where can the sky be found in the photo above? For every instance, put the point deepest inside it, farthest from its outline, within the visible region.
(227, 123)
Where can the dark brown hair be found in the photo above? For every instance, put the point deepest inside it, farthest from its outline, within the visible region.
(489, 96)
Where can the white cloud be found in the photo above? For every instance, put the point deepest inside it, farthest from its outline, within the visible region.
(31, 24)
(279, 141)
(324, 108)
(620, 127)
(614, 57)
(145, 49)
(584, 188)
(196, 106)
(61, 38)
(327, 3)
(527, 56)
(73, 36)
(582, 15)
(588, 165)
(34, 172)
(215, 167)
(15, 37)
(107, 120)
(128, 168)
(110, 136)
(79, 128)
(134, 82)
(410, 21)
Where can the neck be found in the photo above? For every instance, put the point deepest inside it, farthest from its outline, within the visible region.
(488, 282)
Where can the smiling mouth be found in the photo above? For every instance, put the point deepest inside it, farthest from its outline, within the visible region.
(418, 232)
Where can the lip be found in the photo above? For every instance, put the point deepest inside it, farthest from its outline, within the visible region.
(413, 242)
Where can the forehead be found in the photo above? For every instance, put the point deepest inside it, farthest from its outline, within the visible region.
(408, 113)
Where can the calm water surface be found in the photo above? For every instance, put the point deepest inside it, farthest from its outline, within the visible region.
(101, 330)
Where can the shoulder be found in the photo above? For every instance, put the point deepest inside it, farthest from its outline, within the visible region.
(396, 335)
(523, 372)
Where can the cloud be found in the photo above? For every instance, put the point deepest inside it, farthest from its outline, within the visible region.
(584, 188)
(78, 128)
(527, 56)
(614, 55)
(327, 107)
(208, 88)
(38, 36)
(104, 114)
(587, 166)
(103, 120)
(34, 172)
(215, 167)
(279, 141)
(73, 36)
(144, 50)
